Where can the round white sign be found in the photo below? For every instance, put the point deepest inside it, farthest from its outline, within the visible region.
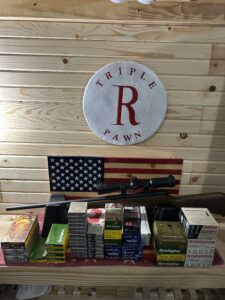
(124, 103)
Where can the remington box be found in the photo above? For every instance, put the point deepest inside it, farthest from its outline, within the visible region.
(198, 223)
(201, 246)
(170, 243)
(57, 238)
(199, 260)
(169, 235)
(169, 249)
(170, 257)
(170, 263)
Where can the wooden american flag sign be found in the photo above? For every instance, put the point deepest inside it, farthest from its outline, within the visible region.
(80, 175)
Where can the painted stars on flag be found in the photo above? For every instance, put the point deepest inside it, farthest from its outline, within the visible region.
(75, 174)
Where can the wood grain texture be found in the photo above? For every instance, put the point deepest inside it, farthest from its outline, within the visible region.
(75, 95)
(198, 189)
(168, 126)
(11, 197)
(217, 67)
(162, 11)
(27, 211)
(27, 186)
(40, 117)
(33, 162)
(41, 97)
(207, 179)
(113, 32)
(64, 116)
(23, 174)
(77, 9)
(79, 79)
(212, 167)
(179, 11)
(84, 48)
(91, 64)
(40, 162)
(89, 138)
(203, 154)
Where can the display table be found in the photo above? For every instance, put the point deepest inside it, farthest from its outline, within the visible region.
(166, 277)
(116, 276)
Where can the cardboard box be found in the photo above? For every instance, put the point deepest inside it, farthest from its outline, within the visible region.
(198, 223)
(201, 246)
(199, 260)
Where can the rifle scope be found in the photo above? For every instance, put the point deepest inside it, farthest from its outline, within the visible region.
(169, 181)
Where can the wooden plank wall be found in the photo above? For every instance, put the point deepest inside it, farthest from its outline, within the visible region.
(49, 50)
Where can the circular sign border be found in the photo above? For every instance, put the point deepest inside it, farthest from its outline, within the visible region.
(102, 136)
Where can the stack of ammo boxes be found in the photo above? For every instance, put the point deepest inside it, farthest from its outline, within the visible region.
(95, 233)
(170, 243)
(56, 243)
(201, 230)
(113, 230)
(77, 221)
(132, 241)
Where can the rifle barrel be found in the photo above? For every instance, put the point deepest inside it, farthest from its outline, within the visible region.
(89, 200)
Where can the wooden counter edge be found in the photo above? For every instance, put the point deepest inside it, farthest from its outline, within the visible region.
(118, 275)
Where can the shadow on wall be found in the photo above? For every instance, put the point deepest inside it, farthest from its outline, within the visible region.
(213, 123)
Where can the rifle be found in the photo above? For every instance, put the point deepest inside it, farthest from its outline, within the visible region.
(215, 202)
(150, 197)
